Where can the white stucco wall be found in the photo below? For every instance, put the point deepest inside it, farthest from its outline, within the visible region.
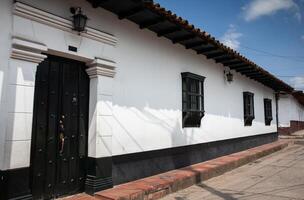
(289, 109)
(5, 46)
(143, 111)
(147, 96)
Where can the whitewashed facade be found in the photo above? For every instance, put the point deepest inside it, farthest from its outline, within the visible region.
(290, 110)
(135, 95)
(291, 113)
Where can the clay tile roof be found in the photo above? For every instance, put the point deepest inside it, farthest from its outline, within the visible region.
(163, 22)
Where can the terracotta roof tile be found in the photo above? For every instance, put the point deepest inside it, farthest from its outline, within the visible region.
(155, 7)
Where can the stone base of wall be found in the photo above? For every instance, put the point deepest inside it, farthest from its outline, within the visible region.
(135, 166)
(294, 127)
(15, 184)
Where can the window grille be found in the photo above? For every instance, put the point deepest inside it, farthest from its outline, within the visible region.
(268, 111)
(248, 108)
(192, 99)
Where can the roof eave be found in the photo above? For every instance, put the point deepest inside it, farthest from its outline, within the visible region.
(167, 24)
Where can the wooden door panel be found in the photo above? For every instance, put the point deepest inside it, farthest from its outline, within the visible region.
(51, 146)
(67, 164)
(60, 111)
(40, 129)
(83, 91)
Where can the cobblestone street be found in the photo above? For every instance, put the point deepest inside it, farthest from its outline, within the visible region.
(278, 176)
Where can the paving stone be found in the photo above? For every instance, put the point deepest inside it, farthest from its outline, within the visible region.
(261, 180)
(161, 185)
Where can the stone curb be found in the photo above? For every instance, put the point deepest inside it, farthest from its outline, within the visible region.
(160, 185)
(291, 136)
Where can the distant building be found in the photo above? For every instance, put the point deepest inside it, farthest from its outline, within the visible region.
(140, 91)
(291, 112)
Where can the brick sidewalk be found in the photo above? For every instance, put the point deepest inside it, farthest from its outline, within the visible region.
(158, 186)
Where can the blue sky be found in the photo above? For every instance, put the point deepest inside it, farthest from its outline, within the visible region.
(268, 32)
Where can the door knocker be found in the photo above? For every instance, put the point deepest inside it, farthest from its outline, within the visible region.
(61, 143)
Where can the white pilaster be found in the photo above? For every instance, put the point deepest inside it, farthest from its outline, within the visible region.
(101, 73)
(24, 59)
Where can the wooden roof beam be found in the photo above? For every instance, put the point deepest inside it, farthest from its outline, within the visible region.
(130, 12)
(263, 77)
(142, 1)
(233, 60)
(168, 31)
(152, 22)
(252, 74)
(196, 44)
(215, 54)
(270, 84)
(245, 69)
(205, 50)
(232, 63)
(183, 38)
(96, 3)
(239, 66)
(223, 59)
(265, 82)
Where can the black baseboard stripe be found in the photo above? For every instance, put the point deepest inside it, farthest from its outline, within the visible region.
(134, 166)
(15, 184)
(99, 174)
(103, 173)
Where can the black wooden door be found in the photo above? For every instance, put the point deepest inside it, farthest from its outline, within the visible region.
(60, 126)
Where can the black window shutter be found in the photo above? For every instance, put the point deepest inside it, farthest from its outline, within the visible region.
(192, 99)
(268, 111)
(248, 99)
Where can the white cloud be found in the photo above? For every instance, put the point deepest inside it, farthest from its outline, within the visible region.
(298, 16)
(231, 37)
(297, 82)
(259, 8)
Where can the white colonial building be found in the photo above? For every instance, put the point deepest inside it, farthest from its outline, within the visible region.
(140, 91)
(291, 112)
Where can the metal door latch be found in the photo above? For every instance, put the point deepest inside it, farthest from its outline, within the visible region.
(62, 143)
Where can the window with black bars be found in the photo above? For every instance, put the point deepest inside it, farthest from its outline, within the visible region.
(248, 108)
(268, 111)
(193, 99)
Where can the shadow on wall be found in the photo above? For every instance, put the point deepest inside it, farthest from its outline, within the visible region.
(148, 101)
(147, 129)
(148, 116)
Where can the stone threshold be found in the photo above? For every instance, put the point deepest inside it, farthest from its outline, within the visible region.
(158, 186)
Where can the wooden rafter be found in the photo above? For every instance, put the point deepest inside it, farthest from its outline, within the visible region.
(128, 13)
(207, 49)
(215, 54)
(232, 63)
(168, 31)
(183, 38)
(151, 23)
(223, 59)
(196, 44)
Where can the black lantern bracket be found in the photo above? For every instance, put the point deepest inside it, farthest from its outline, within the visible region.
(79, 19)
